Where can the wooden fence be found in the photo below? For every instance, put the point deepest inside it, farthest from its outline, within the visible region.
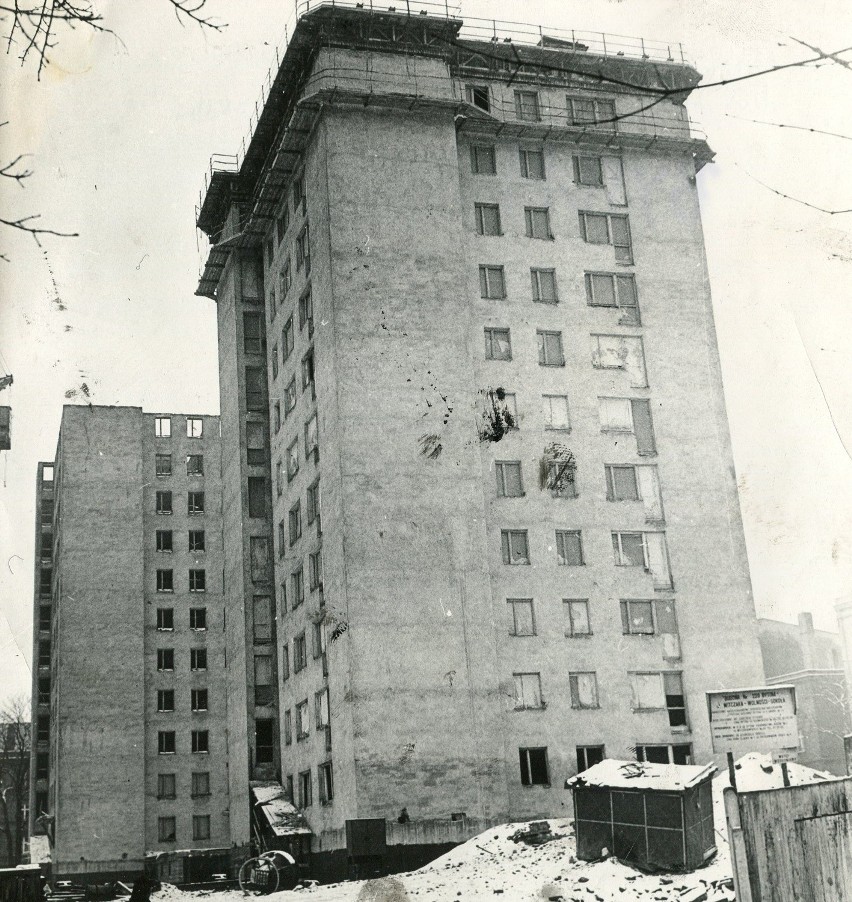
(792, 844)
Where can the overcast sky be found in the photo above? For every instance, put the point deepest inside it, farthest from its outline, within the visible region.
(121, 129)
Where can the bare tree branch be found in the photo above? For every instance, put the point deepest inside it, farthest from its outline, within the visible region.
(192, 9)
(24, 224)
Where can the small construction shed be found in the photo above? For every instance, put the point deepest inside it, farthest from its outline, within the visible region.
(658, 816)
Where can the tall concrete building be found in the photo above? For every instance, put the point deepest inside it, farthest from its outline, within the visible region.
(130, 741)
(463, 300)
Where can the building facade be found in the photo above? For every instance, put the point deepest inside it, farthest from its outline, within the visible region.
(130, 745)
(475, 449)
(796, 654)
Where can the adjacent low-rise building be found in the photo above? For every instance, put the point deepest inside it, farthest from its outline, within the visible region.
(796, 654)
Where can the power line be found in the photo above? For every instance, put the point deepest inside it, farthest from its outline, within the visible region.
(797, 200)
(804, 128)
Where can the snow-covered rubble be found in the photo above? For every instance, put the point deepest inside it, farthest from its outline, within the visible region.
(493, 866)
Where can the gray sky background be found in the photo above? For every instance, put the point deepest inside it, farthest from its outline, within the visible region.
(120, 133)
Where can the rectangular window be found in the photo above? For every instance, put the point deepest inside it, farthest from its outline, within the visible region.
(478, 95)
(629, 415)
(555, 409)
(584, 690)
(194, 427)
(164, 502)
(321, 708)
(165, 700)
(613, 290)
(305, 789)
(200, 784)
(196, 540)
(326, 783)
(498, 345)
(44, 618)
(259, 557)
(587, 171)
(276, 417)
(166, 827)
(629, 549)
(285, 280)
(492, 283)
(308, 370)
(315, 570)
(198, 618)
(294, 521)
(537, 222)
(544, 286)
(195, 502)
(306, 312)
(297, 587)
(521, 617)
(300, 653)
(288, 727)
(509, 482)
(527, 690)
(256, 443)
(515, 546)
(608, 228)
(165, 581)
(302, 720)
(166, 786)
(255, 388)
(577, 619)
(252, 333)
(262, 618)
(256, 496)
(165, 618)
(588, 756)
(198, 700)
(290, 396)
(292, 460)
(162, 427)
(197, 581)
(165, 659)
(550, 348)
(591, 111)
(532, 163)
(303, 250)
(163, 463)
(482, 159)
(313, 503)
(198, 659)
(312, 439)
(166, 742)
(263, 670)
(621, 352)
(164, 540)
(274, 357)
(201, 826)
(487, 219)
(288, 339)
(534, 770)
(200, 742)
(282, 538)
(279, 478)
(527, 106)
(621, 483)
(285, 662)
(264, 741)
(569, 548)
(679, 753)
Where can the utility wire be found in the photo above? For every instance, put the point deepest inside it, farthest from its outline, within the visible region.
(803, 128)
(789, 197)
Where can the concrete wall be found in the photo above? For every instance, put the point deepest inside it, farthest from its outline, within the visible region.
(99, 684)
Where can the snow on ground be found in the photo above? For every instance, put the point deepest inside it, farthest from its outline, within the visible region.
(493, 867)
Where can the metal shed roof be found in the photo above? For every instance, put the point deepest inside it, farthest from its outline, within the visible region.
(613, 774)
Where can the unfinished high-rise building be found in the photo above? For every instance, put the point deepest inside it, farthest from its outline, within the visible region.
(462, 299)
(130, 747)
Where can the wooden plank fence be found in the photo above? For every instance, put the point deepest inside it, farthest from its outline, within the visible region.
(793, 844)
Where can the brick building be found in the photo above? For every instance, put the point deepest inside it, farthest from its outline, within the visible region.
(462, 299)
(812, 661)
(130, 748)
